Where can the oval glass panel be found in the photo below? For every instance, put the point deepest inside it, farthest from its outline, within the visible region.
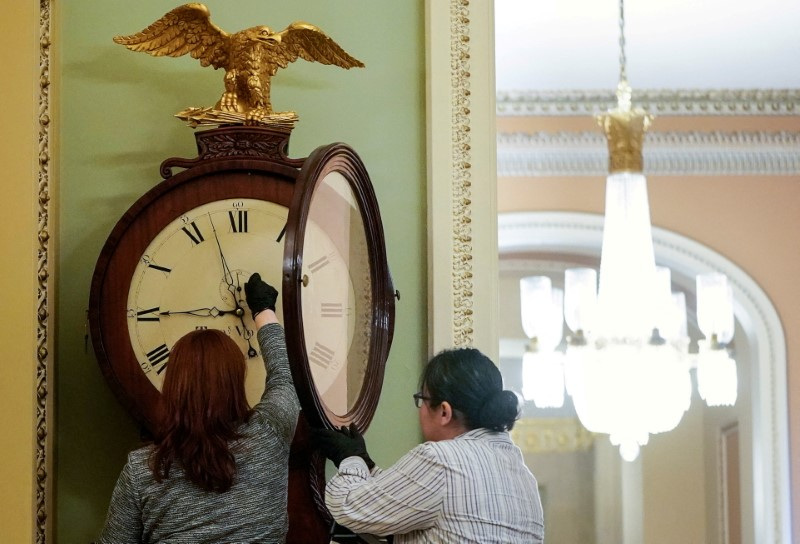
(336, 294)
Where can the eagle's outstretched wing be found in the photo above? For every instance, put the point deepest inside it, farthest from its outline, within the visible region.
(309, 43)
(185, 29)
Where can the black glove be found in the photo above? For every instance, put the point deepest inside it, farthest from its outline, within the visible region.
(259, 294)
(337, 445)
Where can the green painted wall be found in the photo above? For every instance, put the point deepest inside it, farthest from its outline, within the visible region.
(117, 127)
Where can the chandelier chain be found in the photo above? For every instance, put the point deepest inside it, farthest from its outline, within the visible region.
(622, 59)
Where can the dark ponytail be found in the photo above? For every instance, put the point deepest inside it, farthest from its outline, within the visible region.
(499, 412)
(473, 386)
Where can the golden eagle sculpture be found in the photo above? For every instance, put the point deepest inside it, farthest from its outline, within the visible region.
(249, 57)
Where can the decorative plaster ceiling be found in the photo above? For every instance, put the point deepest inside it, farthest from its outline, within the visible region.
(684, 58)
(666, 153)
(670, 44)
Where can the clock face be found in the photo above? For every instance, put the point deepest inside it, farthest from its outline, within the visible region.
(192, 275)
(178, 259)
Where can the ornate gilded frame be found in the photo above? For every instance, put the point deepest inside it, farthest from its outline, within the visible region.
(462, 207)
(43, 462)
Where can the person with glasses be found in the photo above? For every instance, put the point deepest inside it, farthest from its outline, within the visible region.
(466, 483)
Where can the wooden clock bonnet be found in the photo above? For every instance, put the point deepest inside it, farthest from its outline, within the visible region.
(178, 258)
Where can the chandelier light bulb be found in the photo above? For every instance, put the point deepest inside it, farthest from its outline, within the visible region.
(542, 311)
(580, 299)
(717, 382)
(629, 451)
(535, 299)
(543, 378)
(715, 307)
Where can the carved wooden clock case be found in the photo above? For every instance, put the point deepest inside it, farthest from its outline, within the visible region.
(177, 260)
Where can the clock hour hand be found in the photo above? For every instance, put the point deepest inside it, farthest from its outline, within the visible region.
(247, 334)
(203, 312)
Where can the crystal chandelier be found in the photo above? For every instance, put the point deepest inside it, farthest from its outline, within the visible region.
(627, 362)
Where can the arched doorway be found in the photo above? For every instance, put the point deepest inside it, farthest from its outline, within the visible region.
(761, 339)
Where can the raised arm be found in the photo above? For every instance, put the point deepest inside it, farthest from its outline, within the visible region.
(279, 405)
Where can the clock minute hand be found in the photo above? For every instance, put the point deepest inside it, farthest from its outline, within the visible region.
(247, 334)
(226, 270)
(203, 312)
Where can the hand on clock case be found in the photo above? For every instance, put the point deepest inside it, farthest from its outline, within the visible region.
(259, 294)
(338, 445)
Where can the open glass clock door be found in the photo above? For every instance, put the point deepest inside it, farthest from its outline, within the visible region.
(338, 293)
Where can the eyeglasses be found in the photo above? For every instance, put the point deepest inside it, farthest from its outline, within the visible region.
(419, 397)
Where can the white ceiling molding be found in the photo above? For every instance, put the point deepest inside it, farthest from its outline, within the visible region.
(665, 153)
(658, 101)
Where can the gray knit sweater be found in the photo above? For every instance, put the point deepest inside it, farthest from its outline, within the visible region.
(253, 510)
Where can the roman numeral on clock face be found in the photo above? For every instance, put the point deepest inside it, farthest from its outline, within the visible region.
(331, 309)
(194, 234)
(321, 355)
(320, 263)
(238, 220)
(158, 358)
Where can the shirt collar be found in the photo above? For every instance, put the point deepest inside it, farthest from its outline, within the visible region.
(482, 433)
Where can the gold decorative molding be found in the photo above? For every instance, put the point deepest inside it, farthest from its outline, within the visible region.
(461, 177)
(44, 338)
(656, 101)
(551, 435)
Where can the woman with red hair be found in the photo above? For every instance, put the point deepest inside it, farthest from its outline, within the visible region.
(218, 469)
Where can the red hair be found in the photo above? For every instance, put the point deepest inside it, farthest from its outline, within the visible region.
(205, 402)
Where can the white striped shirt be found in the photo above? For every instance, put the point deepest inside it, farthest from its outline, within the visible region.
(473, 488)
